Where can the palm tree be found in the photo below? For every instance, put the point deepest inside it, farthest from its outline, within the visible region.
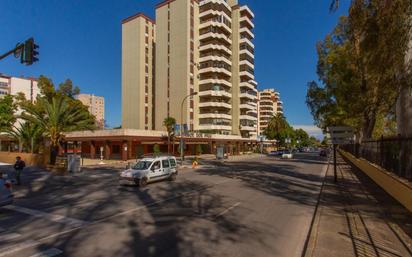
(169, 123)
(29, 136)
(278, 128)
(56, 116)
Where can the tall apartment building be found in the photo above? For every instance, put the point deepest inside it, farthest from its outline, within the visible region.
(14, 85)
(201, 46)
(269, 106)
(138, 58)
(95, 105)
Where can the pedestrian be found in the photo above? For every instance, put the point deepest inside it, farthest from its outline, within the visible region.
(18, 167)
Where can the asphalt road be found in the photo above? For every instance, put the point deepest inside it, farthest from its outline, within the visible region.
(255, 207)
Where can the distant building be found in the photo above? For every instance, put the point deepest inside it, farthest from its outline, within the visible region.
(269, 106)
(14, 85)
(96, 107)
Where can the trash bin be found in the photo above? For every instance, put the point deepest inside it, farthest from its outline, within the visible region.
(73, 163)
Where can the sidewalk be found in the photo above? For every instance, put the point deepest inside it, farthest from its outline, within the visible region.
(357, 218)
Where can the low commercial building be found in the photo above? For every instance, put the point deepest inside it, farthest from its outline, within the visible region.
(126, 144)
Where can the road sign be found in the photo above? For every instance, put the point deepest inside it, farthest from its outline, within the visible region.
(341, 135)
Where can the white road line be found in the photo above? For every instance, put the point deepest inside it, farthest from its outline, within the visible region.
(227, 210)
(48, 253)
(30, 243)
(17, 247)
(45, 215)
(9, 236)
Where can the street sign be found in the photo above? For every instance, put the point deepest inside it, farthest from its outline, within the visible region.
(341, 135)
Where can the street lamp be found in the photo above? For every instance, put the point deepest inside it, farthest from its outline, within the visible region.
(181, 124)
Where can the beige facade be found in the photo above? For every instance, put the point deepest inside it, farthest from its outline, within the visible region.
(138, 87)
(201, 46)
(176, 58)
(269, 106)
(95, 105)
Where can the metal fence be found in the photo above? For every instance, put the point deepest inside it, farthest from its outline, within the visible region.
(393, 154)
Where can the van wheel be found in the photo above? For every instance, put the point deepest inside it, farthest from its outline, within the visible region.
(173, 177)
(142, 182)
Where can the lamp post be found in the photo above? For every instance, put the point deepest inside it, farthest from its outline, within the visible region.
(181, 125)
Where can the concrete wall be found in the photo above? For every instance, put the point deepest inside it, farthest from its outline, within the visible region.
(235, 70)
(29, 159)
(398, 189)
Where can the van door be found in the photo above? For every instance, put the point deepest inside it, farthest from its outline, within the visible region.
(166, 167)
(156, 171)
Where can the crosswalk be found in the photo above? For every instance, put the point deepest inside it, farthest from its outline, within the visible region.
(13, 246)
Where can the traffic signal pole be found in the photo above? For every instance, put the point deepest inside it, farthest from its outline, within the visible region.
(27, 52)
(335, 164)
(14, 50)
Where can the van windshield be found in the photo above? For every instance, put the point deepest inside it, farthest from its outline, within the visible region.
(142, 165)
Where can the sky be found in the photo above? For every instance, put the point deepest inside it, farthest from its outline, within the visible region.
(81, 40)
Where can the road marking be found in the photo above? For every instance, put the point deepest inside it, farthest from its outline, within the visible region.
(52, 217)
(48, 253)
(17, 247)
(8, 237)
(30, 243)
(227, 210)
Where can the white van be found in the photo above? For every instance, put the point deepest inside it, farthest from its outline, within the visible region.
(151, 169)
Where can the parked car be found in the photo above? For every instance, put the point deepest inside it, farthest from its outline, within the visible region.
(287, 154)
(150, 169)
(323, 153)
(6, 195)
(273, 153)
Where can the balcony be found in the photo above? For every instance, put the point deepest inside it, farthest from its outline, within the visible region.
(247, 63)
(212, 23)
(215, 104)
(247, 85)
(246, 74)
(246, 9)
(247, 107)
(248, 96)
(246, 40)
(215, 70)
(246, 21)
(215, 93)
(247, 128)
(215, 58)
(224, 3)
(248, 117)
(248, 52)
(214, 13)
(215, 127)
(209, 47)
(215, 82)
(246, 30)
(215, 116)
(215, 35)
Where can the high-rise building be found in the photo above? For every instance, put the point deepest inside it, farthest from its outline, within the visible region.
(201, 46)
(138, 83)
(269, 106)
(14, 85)
(95, 105)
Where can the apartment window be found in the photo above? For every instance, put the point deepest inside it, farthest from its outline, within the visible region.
(146, 80)
(147, 59)
(147, 29)
(147, 40)
(147, 69)
(147, 50)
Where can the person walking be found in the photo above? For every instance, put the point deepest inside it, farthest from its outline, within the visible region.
(18, 167)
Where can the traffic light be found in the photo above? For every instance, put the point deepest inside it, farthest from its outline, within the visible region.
(30, 53)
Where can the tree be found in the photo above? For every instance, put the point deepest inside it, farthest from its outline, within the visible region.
(57, 116)
(7, 110)
(278, 129)
(359, 66)
(301, 136)
(28, 135)
(169, 123)
(156, 149)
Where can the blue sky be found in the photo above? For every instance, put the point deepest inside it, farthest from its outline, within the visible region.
(81, 40)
